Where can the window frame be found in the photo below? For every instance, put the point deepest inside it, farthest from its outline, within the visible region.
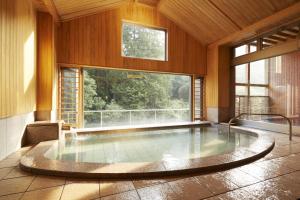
(165, 30)
(248, 85)
(80, 117)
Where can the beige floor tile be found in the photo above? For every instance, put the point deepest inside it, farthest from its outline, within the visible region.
(114, 187)
(213, 198)
(295, 148)
(15, 185)
(239, 177)
(80, 180)
(292, 161)
(159, 192)
(236, 195)
(274, 167)
(10, 162)
(289, 185)
(268, 190)
(17, 172)
(145, 183)
(130, 195)
(293, 177)
(4, 172)
(190, 188)
(80, 191)
(53, 193)
(41, 182)
(258, 172)
(12, 196)
(216, 183)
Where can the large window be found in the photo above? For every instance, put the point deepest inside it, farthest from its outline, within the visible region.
(118, 97)
(251, 87)
(143, 42)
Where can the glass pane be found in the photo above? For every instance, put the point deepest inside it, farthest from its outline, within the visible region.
(119, 97)
(258, 91)
(253, 47)
(142, 42)
(241, 90)
(241, 75)
(259, 72)
(241, 50)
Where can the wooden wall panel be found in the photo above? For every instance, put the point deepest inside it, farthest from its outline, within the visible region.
(285, 85)
(17, 57)
(96, 41)
(45, 65)
(212, 80)
(218, 83)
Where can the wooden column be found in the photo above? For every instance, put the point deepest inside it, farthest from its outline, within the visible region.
(46, 67)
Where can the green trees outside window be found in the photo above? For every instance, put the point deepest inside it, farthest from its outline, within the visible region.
(118, 97)
(142, 42)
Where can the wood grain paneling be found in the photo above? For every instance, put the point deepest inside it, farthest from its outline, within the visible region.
(17, 57)
(245, 12)
(218, 82)
(211, 20)
(96, 41)
(70, 9)
(288, 15)
(285, 84)
(149, 2)
(45, 62)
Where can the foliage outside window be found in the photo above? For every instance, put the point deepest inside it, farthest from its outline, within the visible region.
(143, 42)
(118, 97)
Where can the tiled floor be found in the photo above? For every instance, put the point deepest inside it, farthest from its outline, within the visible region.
(276, 176)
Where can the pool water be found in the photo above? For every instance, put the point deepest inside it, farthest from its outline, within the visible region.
(149, 146)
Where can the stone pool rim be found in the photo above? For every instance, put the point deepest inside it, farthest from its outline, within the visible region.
(35, 162)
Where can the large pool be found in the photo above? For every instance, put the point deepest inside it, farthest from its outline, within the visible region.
(149, 146)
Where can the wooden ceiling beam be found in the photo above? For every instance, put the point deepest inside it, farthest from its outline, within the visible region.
(287, 35)
(276, 38)
(293, 33)
(52, 10)
(293, 30)
(286, 16)
(269, 41)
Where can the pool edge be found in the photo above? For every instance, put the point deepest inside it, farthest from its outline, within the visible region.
(31, 163)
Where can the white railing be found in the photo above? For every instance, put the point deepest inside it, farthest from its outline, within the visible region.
(151, 115)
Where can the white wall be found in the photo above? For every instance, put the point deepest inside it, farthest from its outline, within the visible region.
(11, 132)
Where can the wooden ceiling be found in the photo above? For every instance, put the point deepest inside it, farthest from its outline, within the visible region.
(152, 3)
(70, 9)
(206, 20)
(210, 20)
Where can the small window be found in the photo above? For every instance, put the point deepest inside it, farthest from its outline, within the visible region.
(143, 42)
(245, 49)
(241, 50)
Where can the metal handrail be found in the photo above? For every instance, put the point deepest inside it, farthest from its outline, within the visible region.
(260, 114)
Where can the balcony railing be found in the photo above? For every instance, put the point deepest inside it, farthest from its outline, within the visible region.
(105, 118)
